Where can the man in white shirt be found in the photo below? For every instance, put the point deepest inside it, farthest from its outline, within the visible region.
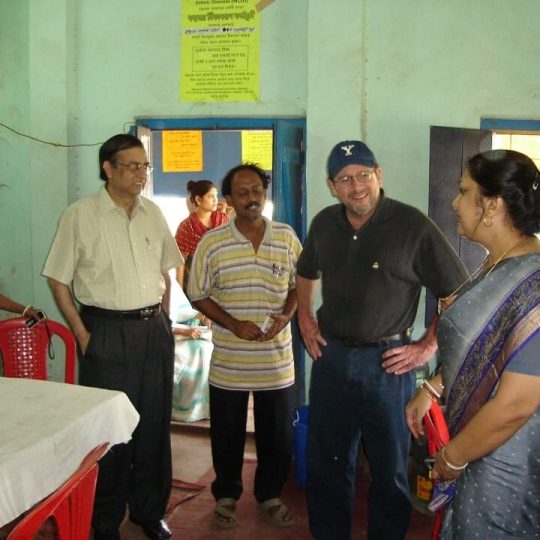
(112, 253)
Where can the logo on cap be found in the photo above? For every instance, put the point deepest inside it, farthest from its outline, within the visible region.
(347, 149)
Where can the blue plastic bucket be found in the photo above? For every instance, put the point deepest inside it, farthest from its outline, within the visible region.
(300, 430)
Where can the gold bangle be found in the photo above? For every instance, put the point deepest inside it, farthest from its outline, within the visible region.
(431, 389)
(29, 306)
(451, 465)
(428, 393)
(442, 386)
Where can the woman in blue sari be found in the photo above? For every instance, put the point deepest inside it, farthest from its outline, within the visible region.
(489, 352)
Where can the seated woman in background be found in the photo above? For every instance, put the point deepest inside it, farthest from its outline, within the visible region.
(203, 195)
(489, 343)
(192, 353)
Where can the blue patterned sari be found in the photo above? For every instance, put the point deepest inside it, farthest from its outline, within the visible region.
(494, 325)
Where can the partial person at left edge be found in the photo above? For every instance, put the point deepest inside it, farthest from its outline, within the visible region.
(33, 314)
(112, 253)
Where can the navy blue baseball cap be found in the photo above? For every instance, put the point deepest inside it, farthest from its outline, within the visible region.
(349, 153)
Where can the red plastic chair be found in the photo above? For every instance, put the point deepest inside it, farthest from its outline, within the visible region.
(24, 350)
(69, 507)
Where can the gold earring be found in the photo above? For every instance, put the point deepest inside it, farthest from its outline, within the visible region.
(488, 221)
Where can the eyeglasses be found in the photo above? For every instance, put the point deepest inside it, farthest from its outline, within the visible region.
(133, 166)
(363, 177)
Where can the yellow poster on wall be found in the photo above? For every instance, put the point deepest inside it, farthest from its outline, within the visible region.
(182, 151)
(219, 50)
(257, 147)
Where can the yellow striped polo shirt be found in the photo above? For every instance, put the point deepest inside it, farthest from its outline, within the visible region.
(248, 286)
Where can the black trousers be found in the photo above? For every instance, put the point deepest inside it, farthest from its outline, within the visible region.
(273, 437)
(136, 357)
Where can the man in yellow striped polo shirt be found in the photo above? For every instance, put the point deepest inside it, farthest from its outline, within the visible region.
(243, 273)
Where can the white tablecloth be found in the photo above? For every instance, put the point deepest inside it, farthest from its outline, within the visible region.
(46, 429)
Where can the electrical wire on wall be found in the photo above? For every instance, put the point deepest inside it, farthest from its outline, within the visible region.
(50, 143)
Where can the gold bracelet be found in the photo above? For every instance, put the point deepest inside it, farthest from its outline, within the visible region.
(431, 389)
(29, 306)
(430, 392)
(451, 465)
(426, 391)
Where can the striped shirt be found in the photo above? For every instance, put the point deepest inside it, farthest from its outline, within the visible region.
(248, 285)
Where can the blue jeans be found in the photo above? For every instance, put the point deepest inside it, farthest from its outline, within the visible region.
(352, 399)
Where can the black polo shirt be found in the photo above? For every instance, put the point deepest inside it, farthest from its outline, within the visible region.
(372, 278)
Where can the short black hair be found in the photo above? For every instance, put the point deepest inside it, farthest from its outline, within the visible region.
(226, 183)
(514, 177)
(112, 146)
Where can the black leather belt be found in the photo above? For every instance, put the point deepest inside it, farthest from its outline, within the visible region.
(381, 342)
(142, 314)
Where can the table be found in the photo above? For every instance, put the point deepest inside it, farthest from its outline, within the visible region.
(46, 429)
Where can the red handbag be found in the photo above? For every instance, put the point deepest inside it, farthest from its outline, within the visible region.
(437, 436)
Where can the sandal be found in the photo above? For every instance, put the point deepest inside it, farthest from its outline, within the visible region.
(224, 513)
(277, 513)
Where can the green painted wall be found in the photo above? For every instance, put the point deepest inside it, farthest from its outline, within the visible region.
(391, 68)
(15, 216)
(127, 64)
(78, 71)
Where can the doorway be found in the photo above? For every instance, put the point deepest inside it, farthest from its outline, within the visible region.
(223, 146)
(450, 148)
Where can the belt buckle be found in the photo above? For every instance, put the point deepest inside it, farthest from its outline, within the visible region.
(147, 313)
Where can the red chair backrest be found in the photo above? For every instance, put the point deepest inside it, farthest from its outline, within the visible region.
(24, 350)
(69, 507)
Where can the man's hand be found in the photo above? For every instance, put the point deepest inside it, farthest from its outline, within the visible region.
(311, 335)
(279, 322)
(402, 359)
(64, 298)
(407, 357)
(247, 330)
(83, 340)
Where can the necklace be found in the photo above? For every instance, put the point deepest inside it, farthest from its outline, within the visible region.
(514, 245)
(443, 303)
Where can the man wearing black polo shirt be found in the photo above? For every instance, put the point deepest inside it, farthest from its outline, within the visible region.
(373, 255)
(116, 249)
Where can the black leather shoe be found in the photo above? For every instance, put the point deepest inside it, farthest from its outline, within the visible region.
(106, 535)
(155, 530)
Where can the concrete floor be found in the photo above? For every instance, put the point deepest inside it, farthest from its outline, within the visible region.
(192, 458)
